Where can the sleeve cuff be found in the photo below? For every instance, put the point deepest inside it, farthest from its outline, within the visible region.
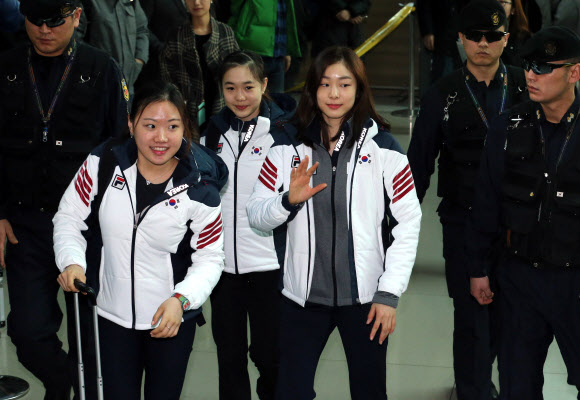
(286, 204)
(386, 298)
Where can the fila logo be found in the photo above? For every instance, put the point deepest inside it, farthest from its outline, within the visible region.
(177, 190)
(295, 161)
(118, 182)
(219, 148)
(249, 133)
(362, 138)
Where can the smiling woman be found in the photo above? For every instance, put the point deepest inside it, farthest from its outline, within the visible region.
(160, 239)
(333, 187)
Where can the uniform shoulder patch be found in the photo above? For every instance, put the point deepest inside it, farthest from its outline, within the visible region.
(125, 89)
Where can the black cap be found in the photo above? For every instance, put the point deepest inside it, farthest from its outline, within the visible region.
(486, 15)
(555, 43)
(47, 8)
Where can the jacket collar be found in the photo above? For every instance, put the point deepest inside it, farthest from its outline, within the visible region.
(569, 117)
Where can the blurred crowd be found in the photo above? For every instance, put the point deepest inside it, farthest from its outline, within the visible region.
(439, 20)
(154, 38)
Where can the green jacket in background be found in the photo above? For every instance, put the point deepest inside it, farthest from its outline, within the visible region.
(254, 22)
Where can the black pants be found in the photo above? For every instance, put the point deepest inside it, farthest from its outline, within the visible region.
(475, 330)
(127, 353)
(35, 316)
(303, 335)
(536, 306)
(235, 299)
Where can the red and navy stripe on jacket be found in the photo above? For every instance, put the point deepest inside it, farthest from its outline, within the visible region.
(210, 233)
(402, 184)
(84, 184)
(268, 175)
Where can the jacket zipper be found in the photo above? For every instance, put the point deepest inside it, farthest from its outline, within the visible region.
(334, 236)
(133, 236)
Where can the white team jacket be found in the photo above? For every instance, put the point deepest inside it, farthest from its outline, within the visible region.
(247, 249)
(136, 268)
(375, 167)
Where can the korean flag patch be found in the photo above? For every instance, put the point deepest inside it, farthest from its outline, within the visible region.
(364, 158)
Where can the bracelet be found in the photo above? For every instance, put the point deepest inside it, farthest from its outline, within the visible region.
(184, 302)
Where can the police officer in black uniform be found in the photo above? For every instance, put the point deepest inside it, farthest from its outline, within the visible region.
(528, 199)
(455, 114)
(58, 100)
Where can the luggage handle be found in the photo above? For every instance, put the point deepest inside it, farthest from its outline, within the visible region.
(92, 298)
(86, 289)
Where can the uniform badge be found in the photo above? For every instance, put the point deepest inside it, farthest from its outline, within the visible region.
(172, 203)
(364, 159)
(220, 147)
(118, 182)
(125, 89)
(550, 48)
(59, 142)
(559, 194)
(495, 19)
(538, 115)
(295, 162)
(570, 117)
(257, 151)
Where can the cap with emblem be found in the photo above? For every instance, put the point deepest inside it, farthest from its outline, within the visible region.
(485, 15)
(555, 43)
(47, 8)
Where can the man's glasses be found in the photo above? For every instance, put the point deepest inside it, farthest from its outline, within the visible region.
(50, 22)
(541, 68)
(490, 36)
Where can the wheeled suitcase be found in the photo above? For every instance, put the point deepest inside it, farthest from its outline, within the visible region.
(92, 297)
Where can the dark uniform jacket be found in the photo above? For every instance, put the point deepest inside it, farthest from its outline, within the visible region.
(528, 190)
(450, 126)
(38, 161)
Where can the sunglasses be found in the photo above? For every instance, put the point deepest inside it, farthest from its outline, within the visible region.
(542, 68)
(50, 22)
(490, 36)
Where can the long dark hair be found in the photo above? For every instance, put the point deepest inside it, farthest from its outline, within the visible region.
(518, 25)
(158, 91)
(363, 107)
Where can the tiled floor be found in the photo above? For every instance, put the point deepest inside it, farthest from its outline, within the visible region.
(419, 354)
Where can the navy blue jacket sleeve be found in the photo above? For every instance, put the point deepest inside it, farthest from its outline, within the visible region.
(116, 103)
(483, 230)
(426, 141)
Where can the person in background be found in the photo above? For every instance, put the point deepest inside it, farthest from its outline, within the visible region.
(526, 199)
(438, 22)
(191, 59)
(269, 29)
(120, 28)
(560, 13)
(242, 134)
(163, 16)
(157, 219)
(59, 99)
(518, 29)
(452, 126)
(338, 23)
(334, 185)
